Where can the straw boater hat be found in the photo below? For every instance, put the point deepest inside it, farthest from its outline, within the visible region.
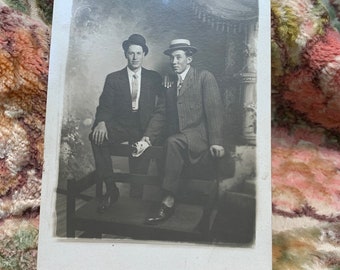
(136, 39)
(180, 44)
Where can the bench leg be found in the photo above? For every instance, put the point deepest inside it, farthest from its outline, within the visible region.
(204, 224)
(140, 166)
(70, 209)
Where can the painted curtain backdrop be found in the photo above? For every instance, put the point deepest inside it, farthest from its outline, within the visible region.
(305, 131)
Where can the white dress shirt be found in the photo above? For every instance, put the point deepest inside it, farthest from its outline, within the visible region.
(139, 76)
(180, 79)
(184, 73)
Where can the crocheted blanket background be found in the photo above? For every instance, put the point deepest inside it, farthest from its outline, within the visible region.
(305, 131)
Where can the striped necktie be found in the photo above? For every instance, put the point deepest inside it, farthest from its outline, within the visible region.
(179, 84)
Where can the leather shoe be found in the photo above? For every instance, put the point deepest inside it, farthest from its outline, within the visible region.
(164, 213)
(108, 199)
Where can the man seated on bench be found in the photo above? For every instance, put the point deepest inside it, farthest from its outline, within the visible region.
(131, 108)
(194, 114)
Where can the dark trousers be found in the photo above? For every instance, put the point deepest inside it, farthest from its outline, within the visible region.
(177, 160)
(102, 155)
(104, 169)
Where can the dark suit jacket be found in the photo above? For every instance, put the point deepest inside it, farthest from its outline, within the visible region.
(197, 111)
(115, 104)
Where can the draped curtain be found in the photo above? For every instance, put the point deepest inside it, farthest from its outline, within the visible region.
(238, 19)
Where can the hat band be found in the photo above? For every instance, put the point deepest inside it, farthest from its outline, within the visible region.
(179, 45)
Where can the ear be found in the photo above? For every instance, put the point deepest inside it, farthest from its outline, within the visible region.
(189, 59)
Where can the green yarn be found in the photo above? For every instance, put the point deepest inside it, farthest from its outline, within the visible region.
(9, 263)
(319, 10)
(288, 30)
(19, 250)
(334, 20)
(46, 7)
(294, 251)
(20, 5)
(276, 60)
(289, 25)
(26, 238)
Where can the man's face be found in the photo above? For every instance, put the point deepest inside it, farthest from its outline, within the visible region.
(179, 61)
(134, 56)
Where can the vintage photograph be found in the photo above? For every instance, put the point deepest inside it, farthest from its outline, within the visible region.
(157, 136)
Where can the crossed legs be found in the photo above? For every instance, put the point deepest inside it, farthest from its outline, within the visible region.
(175, 160)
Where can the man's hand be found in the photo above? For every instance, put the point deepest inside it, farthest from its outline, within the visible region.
(146, 139)
(100, 133)
(217, 151)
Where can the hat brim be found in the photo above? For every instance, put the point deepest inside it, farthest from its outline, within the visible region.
(184, 48)
(127, 43)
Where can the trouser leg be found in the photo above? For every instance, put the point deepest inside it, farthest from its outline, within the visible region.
(138, 165)
(203, 167)
(176, 156)
(103, 163)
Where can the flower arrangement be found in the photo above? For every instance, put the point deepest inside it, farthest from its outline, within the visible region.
(75, 158)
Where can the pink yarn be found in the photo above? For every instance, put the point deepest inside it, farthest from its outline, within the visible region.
(307, 97)
(304, 170)
(322, 50)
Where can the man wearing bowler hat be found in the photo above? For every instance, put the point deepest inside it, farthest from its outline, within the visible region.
(194, 114)
(131, 108)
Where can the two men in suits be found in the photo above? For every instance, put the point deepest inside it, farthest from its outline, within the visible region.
(194, 114)
(131, 108)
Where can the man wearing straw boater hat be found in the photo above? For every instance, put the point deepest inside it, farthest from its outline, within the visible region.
(131, 108)
(194, 113)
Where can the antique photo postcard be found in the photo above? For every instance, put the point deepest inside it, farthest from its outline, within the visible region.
(157, 141)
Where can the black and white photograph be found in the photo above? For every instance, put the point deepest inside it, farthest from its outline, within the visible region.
(155, 129)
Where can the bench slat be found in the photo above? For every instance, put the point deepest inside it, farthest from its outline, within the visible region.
(82, 184)
(137, 178)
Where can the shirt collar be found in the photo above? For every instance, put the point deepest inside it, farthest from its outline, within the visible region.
(184, 73)
(130, 72)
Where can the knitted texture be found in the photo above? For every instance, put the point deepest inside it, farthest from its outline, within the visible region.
(305, 135)
(18, 248)
(24, 49)
(305, 177)
(23, 63)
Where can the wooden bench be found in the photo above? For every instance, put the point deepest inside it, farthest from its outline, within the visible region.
(125, 219)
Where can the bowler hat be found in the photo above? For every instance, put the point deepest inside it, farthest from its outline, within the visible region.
(180, 44)
(136, 39)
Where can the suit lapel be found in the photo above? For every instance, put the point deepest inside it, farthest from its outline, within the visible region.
(187, 81)
(143, 98)
(124, 85)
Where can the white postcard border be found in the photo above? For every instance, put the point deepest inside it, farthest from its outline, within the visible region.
(59, 253)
